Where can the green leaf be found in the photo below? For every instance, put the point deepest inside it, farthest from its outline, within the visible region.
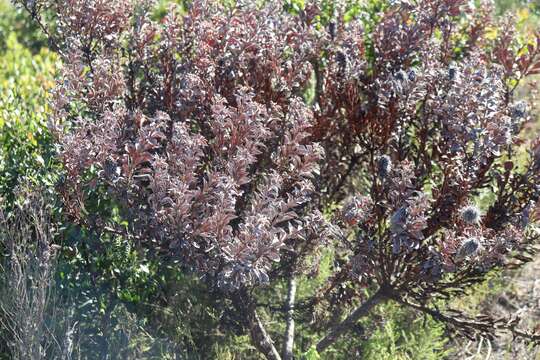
(311, 354)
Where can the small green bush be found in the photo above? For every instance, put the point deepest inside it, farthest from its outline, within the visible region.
(25, 143)
(405, 336)
(15, 21)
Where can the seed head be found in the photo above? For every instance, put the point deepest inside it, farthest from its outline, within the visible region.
(468, 248)
(401, 75)
(518, 110)
(398, 220)
(384, 165)
(452, 72)
(525, 217)
(470, 214)
(411, 75)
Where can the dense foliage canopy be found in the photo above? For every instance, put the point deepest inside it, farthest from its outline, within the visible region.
(253, 144)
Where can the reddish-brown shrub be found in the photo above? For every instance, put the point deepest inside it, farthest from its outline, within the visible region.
(200, 130)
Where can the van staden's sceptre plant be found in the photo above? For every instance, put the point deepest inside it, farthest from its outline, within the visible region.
(223, 133)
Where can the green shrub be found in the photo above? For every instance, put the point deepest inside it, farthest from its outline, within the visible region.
(25, 143)
(16, 21)
(405, 336)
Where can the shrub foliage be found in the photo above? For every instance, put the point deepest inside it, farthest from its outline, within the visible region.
(223, 133)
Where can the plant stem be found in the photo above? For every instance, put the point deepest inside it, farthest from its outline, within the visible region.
(350, 321)
(259, 337)
(289, 330)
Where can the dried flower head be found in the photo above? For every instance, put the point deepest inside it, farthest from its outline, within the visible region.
(470, 214)
(518, 110)
(411, 75)
(468, 248)
(452, 73)
(398, 220)
(384, 165)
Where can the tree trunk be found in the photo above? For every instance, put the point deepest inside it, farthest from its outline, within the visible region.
(350, 321)
(288, 344)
